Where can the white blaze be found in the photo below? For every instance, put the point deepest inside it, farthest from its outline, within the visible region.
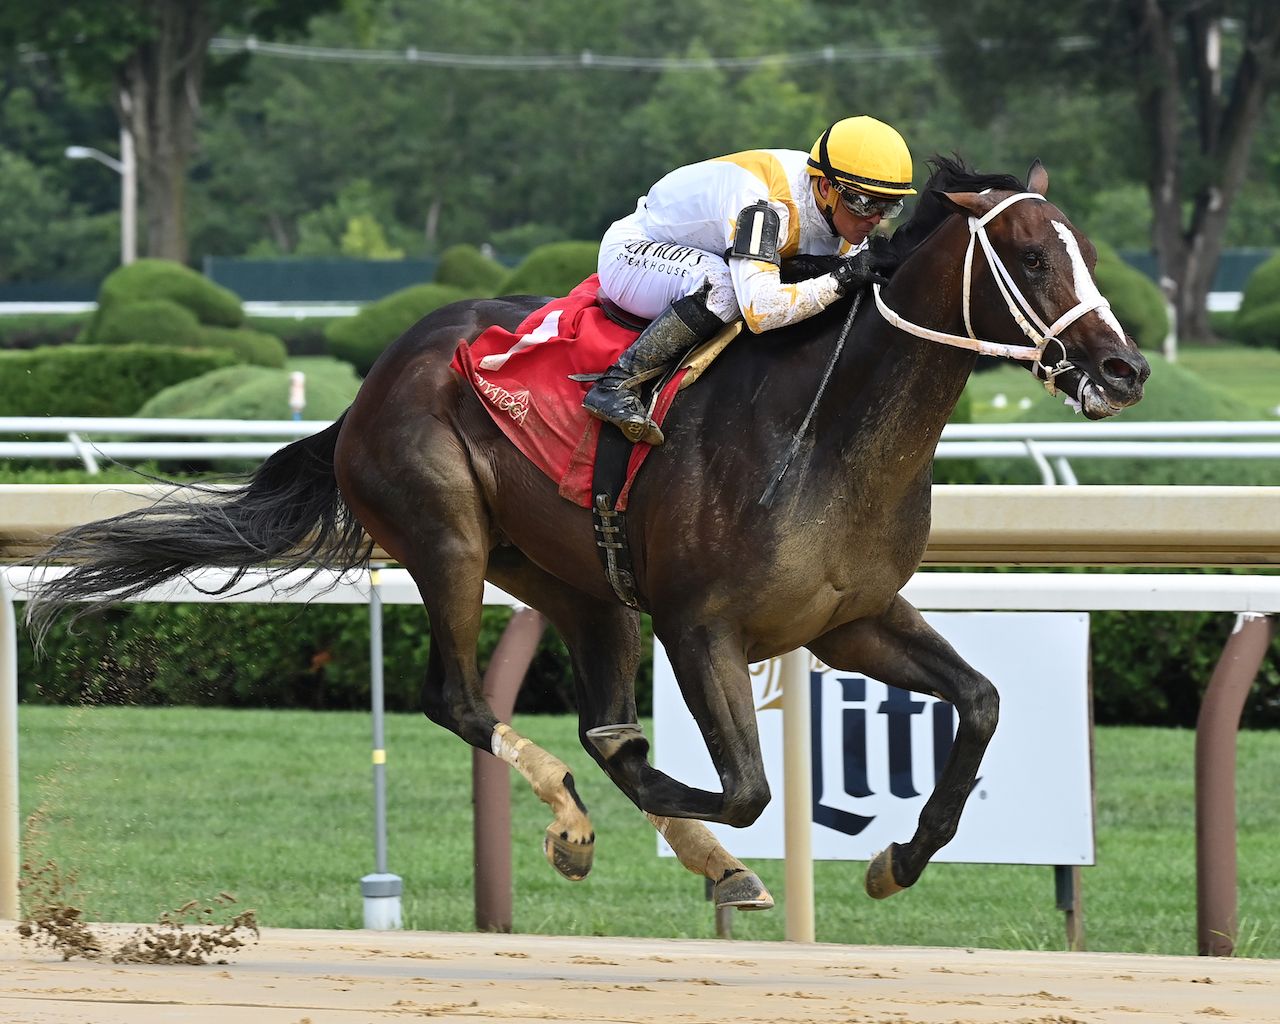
(1086, 289)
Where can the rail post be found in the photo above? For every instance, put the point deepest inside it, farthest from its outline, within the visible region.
(1217, 923)
(491, 778)
(10, 826)
(381, 890)
(798, 798)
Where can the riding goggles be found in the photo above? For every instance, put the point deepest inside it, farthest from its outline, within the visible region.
(861, 205)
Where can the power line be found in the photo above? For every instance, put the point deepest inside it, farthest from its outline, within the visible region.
(584, 61)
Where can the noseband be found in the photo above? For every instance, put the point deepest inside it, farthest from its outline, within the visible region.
(1023, 313)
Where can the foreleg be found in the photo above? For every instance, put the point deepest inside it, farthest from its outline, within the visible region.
(901, 649)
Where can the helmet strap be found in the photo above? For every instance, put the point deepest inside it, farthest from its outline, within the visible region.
(827, 206)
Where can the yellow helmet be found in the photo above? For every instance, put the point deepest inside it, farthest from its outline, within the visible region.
(863, 154)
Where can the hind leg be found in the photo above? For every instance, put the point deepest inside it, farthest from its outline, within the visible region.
(409, 461)
(901, 649)
(438, 528)
(569, 842)
(604, 643)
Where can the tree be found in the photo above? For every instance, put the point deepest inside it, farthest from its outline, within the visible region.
(151, 57)
(1197, 73)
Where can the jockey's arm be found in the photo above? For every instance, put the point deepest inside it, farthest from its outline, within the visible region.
(754, 259)
(767, 303)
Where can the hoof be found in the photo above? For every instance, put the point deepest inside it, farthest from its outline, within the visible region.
(743, 890)
(880, 881)
(573, 860)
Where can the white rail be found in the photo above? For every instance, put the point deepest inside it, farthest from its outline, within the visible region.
(87, 438)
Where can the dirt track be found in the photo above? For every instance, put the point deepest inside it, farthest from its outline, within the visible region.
(314, 977)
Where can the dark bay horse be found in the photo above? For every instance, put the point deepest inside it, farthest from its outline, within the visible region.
(417, 463)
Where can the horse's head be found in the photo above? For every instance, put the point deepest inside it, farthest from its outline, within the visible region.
(1042, 286)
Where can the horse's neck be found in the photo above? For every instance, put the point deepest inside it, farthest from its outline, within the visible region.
(896, 391)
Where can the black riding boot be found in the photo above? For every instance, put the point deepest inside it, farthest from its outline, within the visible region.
(685, 323)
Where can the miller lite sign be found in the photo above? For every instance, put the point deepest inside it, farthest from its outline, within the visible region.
(876, 750)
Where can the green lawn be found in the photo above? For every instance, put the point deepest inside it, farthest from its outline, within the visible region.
(1251, 374)
(153, 807)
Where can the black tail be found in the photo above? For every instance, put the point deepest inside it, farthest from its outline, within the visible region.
(289, 515)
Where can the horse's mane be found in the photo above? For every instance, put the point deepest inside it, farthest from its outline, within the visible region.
(947, 174)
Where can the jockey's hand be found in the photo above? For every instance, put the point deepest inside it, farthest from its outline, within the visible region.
(873, 264)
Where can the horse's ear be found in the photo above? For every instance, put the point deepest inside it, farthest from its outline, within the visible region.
(967, 204)
(1038, 178)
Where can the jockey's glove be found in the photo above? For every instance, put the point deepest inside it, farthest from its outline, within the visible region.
(874, 264)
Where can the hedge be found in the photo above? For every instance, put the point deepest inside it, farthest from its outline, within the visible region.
(465, 266)
(147, 322)
(258, 655)
(1257, 322)
(163, 279)
(254, 347)
(1258, 326)
(1135, 300)
(1148, 668)
(248, 393)
(361, 339)
(95, 380)
(552, 270)
(1263, 286)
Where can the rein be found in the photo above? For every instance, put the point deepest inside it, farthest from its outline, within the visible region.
(784, 463)
(1019, 308)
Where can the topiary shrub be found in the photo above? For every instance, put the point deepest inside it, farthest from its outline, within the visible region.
(148, 322)
(1135, 300)
(1259, 326)
(1257, 322)
(248, 393)
(164, 279)
(95, 380)
(1263, 286)
(465, 266)
(253, 347)
(360, 339)
(161, 322)
(552, 270)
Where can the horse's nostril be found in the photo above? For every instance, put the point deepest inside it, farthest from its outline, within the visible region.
(1118, 368)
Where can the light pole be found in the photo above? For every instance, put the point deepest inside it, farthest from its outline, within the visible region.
(127, 168)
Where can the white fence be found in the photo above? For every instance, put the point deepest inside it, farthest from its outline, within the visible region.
(86, 439)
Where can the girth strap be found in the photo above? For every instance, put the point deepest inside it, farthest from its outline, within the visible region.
(613, 452)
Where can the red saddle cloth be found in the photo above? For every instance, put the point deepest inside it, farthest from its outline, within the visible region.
(523, 380)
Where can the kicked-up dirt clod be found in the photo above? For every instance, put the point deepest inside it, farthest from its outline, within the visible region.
(189, 935)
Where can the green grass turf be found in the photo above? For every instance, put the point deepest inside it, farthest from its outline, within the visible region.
(153, 807)
(1251, 374)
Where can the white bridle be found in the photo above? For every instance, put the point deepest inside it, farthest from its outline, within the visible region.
(1020, 309)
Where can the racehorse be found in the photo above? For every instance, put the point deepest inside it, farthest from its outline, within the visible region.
(418, 465)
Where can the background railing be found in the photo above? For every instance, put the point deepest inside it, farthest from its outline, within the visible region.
(1049, 445)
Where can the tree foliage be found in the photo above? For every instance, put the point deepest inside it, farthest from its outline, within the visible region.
(1187, 80)
(308, 156)
(150, 60)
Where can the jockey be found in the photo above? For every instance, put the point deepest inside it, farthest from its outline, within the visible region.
(703, 248)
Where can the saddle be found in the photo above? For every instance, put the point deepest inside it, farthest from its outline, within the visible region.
(532, 381)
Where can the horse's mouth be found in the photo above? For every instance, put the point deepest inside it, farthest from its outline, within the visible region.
(1114, 385)
(1095, 404)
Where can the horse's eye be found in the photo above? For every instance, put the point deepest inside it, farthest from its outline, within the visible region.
(1033, 259)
